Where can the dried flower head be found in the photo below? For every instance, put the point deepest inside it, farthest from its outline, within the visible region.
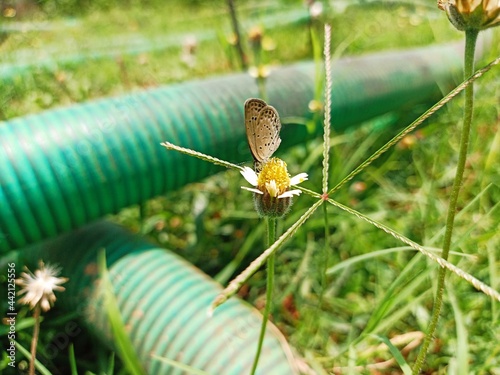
(255, 36)
(39, 287)
(472, 14)
(189, 47)
(315, 9)
(273, 196)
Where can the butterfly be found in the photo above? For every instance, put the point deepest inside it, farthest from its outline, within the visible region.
(263, 127)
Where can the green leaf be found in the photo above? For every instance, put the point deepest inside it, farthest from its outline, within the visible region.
(181, 366)
(122, 341)
(41, 368)
(395, 353)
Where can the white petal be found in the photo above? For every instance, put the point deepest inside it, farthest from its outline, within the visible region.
(249, 175)
(252, 190)
(301, 177)
(289, 193)
(272, 188)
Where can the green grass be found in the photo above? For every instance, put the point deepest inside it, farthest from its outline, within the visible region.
(388, 290)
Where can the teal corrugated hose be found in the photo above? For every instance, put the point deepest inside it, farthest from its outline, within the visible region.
(66, 167)
(163, 300)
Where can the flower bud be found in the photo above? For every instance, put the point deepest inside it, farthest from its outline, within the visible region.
(269, 206)
(472, 14)
(255, 36)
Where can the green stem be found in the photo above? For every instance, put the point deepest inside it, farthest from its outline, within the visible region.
(470, 45)
(236, 30)
(325, 261)
(271, 238)
(142, 217)
(326, 256)
(261, 85)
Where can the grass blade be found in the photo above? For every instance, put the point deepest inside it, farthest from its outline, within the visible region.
(121, 339)
(396, 354)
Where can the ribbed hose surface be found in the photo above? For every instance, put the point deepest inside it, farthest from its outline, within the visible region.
(163, 301)
(66, 167)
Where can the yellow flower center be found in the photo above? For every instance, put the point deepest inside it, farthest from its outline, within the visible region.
(274, 170)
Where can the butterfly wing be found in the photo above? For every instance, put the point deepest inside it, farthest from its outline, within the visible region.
(267, 133)
(252, 110)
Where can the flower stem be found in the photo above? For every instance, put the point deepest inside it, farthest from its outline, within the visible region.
(243, 277)
(470, 44)
(34, 340)
(236, 30)
(271, 238)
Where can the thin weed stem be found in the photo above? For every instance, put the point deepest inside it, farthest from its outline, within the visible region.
(326, 256)
(328, 104)
(326, 155)
(470, 45)
(261, 84)
(244, 276)
(489, 291)
(34, 340)
(237, 34)
(271, 237)
(457, 90)
(199, 155)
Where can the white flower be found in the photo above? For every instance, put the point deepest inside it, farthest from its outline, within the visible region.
(272, 186)
(39, 287)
